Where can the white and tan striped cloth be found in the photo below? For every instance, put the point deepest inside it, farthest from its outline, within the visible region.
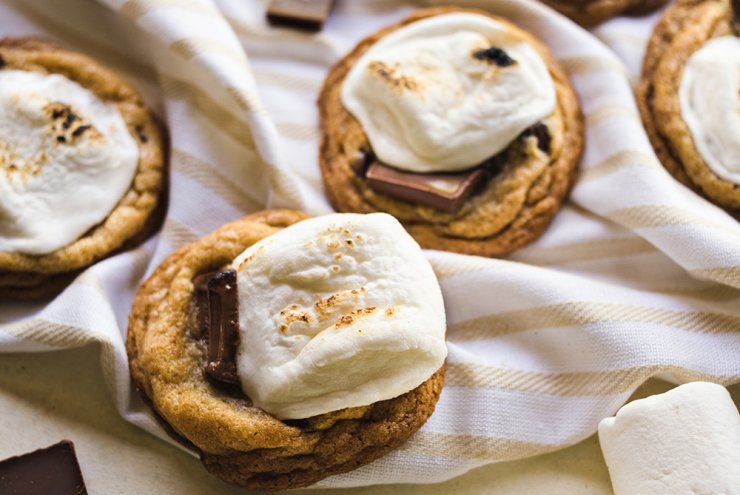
(636, 277)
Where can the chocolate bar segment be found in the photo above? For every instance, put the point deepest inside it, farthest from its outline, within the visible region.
(303, 14)
(223, 327)
(203, 317)
(53, 470)
(445, 192)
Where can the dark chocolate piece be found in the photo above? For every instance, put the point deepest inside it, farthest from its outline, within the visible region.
(303, 14)
(53, 470)
(495, 55)
(200, 283)
(541, 132)
(223, 327)
(445, 192)
(736, 17)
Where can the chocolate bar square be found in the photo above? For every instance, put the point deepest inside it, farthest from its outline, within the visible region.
(53, 470)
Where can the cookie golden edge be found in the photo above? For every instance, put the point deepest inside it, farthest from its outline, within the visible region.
(140, 211)
(591, 13)
(530, 223)
(236, 441)
(659, 58)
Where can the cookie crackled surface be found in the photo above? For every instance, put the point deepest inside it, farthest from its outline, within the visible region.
(81, 166)
(339, 356)
(458, 123)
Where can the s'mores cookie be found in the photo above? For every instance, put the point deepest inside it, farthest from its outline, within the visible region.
(591, 12)
(81, 166)
(286, 349)
(458, 123)
(689, 97)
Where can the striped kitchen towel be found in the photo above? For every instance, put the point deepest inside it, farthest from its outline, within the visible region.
(636, 277)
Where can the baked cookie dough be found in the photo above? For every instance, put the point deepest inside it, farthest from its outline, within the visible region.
(237, 441)
(36, 273)
(592, 12)
(685, 29)
(533, 174)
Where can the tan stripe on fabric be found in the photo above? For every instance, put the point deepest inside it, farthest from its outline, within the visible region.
(576, 252)
(209, 176)
(716, 293)
(572, 384)
(587, 313)
(615, 162)
(595, 117)
(246, 99)
(134, 9)
(177, 234)
(729, 275)
(189, 48)
(219, 117)
(657, 215)
(50, 334)
(298, 131)
(592, 63)
(471, 447)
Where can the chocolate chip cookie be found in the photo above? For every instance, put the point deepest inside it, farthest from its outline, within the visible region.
(236, 441)
(501, 204)
(686, 135)
(34, 272)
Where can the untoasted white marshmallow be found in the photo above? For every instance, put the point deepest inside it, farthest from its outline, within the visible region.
(710, 104)
(66, 160)
(336, 311)
(428, 104)
(683, 442)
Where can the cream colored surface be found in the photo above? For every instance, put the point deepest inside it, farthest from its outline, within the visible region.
(683, 442)
(66, 159)
(710, 104)
(336, 311)
(428, 104)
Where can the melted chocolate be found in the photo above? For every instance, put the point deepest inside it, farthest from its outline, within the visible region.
(53, 470)
(218, 319)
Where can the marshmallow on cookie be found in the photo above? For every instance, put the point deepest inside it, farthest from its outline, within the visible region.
(334, 312)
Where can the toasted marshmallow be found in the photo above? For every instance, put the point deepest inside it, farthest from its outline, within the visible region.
(430, 100)
(334, 312)
(683, 442)
(66, 159)
(710, 104)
